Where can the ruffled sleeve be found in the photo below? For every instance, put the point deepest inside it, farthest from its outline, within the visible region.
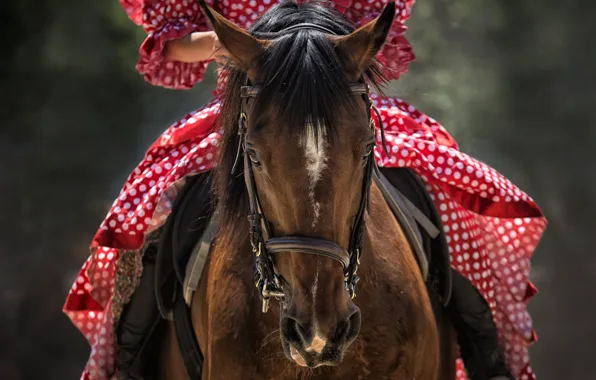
(396, 54)
(166, 20)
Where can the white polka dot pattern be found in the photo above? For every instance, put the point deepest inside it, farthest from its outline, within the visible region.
(168, 20)
(164, 21)
(90, 309)
(492, 227)
(396, 54)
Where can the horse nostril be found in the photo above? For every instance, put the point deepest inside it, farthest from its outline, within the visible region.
(355, 320)
(294, 332)
(348, 330)
(301, 331)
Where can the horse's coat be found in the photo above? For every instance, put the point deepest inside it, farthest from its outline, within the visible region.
(389, 331)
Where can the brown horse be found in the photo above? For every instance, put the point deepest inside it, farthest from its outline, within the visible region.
(297, 119)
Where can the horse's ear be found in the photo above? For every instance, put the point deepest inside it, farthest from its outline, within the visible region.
(361, 46)
(243, 48)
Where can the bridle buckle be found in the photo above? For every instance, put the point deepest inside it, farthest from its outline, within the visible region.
(268, 292)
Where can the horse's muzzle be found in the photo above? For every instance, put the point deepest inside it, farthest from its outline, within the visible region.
(304, 345)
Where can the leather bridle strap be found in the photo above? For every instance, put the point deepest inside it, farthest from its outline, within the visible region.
(307, 25)
(267, 279)
(252, 91)
(309, 245)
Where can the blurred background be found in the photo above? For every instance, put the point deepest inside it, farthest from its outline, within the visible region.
(513, 81)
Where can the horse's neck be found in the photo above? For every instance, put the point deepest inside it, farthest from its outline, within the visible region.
(391, 295)
(387, 249)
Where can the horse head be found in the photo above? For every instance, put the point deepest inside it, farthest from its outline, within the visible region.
(297, 118)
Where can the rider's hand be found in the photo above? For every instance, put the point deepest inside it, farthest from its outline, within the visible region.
(220, 54)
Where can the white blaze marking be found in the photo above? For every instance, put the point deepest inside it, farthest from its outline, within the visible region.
(316, 162)
(313, 291)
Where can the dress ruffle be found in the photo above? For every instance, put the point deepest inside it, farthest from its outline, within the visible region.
(165, 21)
(492, 227)
(169, 20)
(397, 53)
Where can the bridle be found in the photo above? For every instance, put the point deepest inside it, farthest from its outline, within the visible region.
(267, 279)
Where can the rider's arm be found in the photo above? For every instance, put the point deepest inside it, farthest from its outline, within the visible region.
(194, 47)
(179, 65)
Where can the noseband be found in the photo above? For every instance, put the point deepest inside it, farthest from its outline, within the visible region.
(267, 279)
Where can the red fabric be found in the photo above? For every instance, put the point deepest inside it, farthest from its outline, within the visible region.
(397, 53)
(165, 21)
(172, 19)
(492, 227)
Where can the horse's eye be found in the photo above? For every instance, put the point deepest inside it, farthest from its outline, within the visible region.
(369, 150)
(253, 158)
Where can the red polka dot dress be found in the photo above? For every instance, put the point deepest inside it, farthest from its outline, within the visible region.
(492, 226)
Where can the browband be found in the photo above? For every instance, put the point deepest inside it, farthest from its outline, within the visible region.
(307, 25)
(252, 91)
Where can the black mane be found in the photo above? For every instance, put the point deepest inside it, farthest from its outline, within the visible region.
(300, 77)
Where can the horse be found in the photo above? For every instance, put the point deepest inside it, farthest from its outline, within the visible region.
(326, 284)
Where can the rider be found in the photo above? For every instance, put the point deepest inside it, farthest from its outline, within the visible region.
(490, 225)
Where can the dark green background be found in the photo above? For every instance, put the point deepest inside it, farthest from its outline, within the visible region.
(514, 81)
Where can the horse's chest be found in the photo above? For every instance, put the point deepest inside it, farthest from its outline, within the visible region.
(243, 340)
